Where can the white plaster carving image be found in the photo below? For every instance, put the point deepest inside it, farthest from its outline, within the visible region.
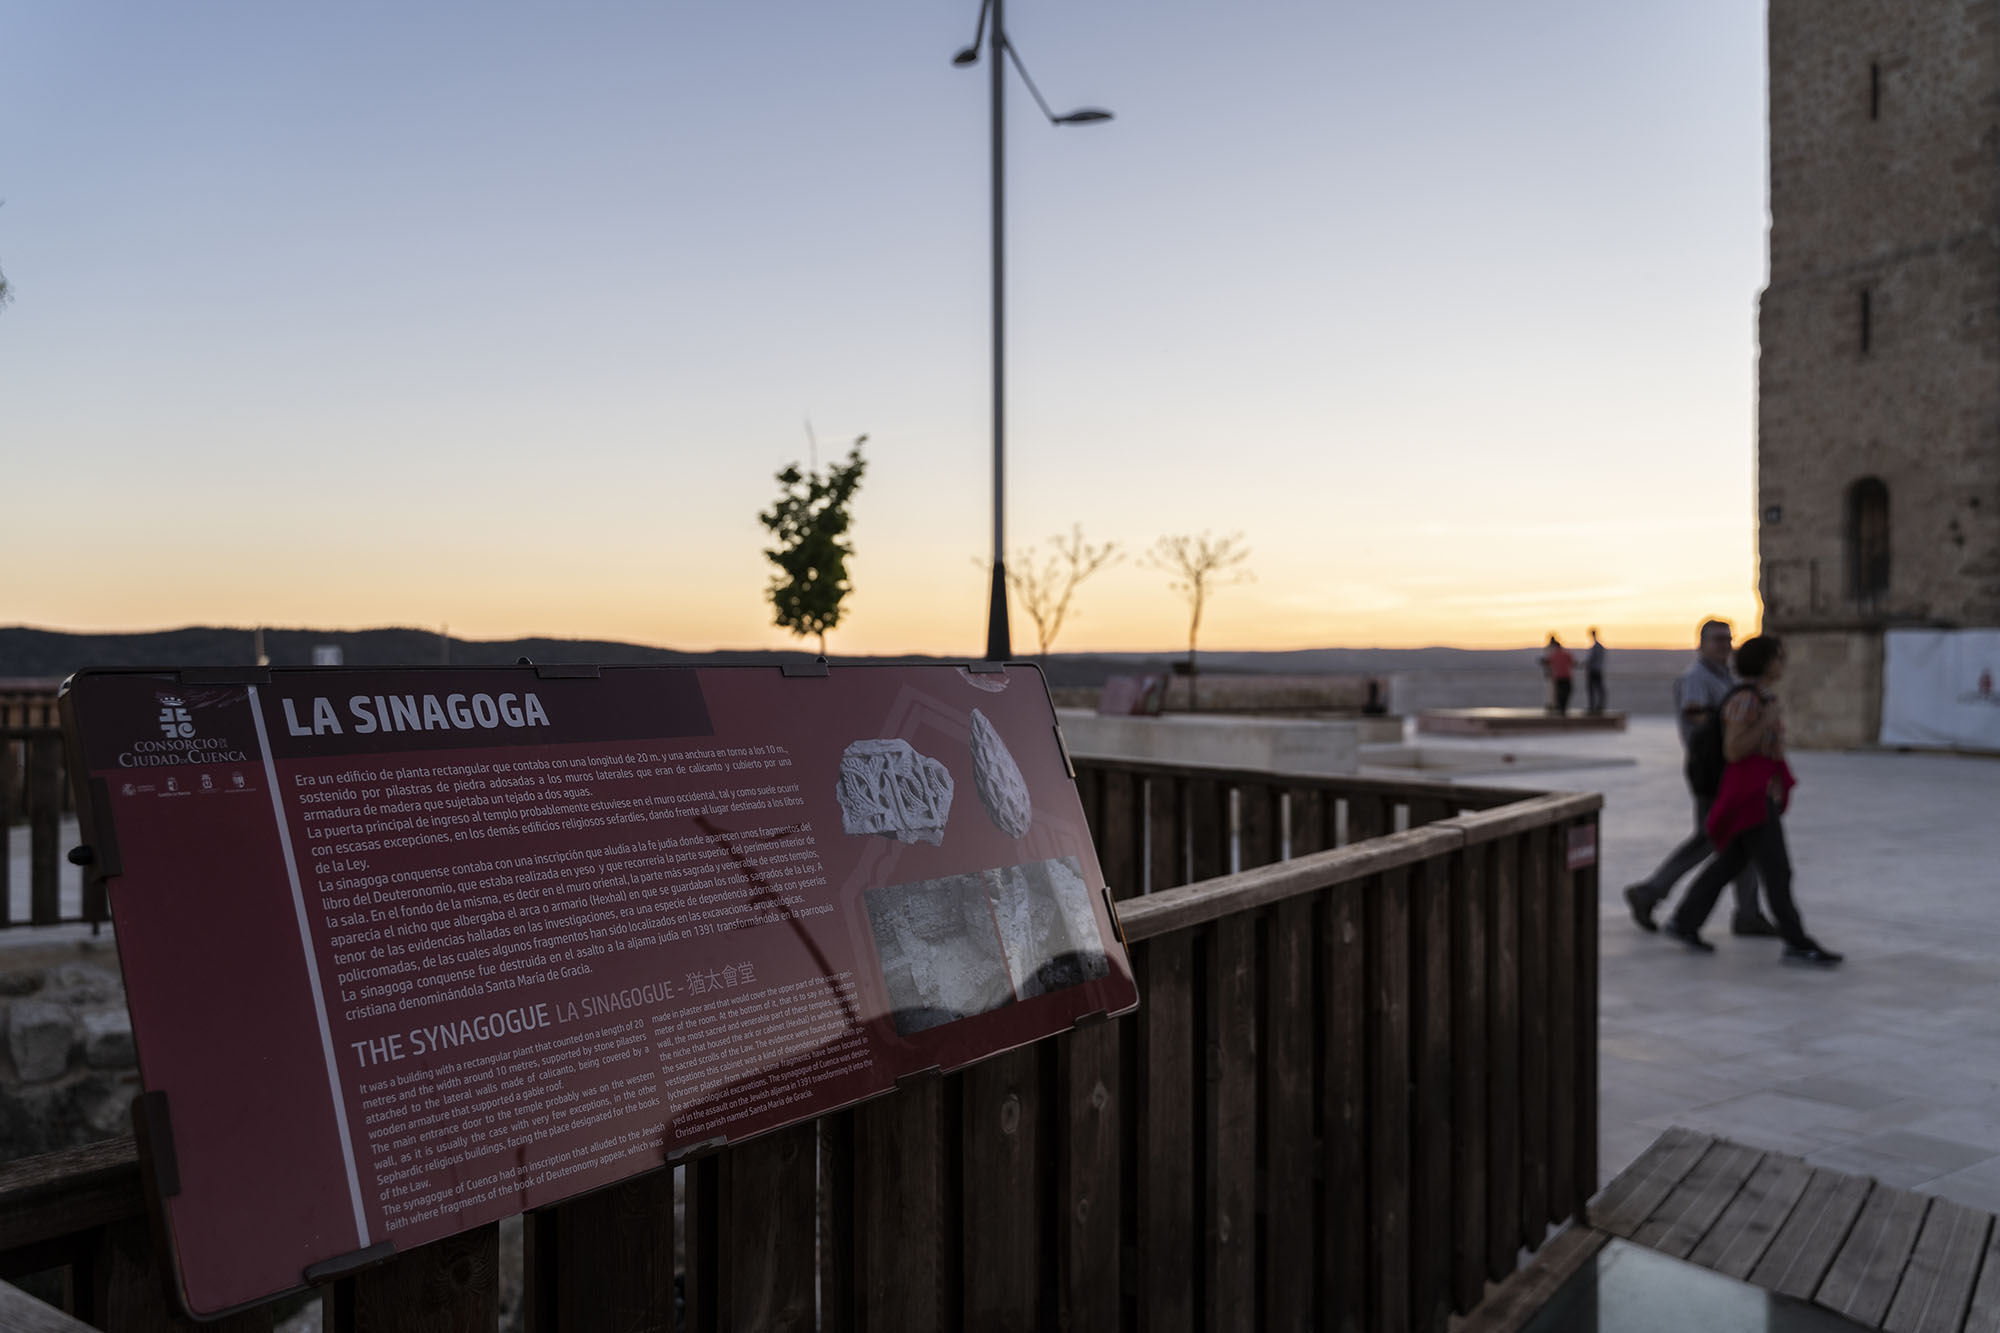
(1046, 926)
(1002, 790)
(940, 953)
(991, 681)
(885, 787)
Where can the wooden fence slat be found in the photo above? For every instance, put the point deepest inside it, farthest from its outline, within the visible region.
(1286, 1105)
(1090, 1173)
(606, 1260)
(1565, 1011)
(1368, 816)
(1534, 1029)
(1341, 917)
(1428, 810)
(1389, 1115)
(750, 1259)
(1470, 1127)
(1937, 1286)
(1737, 1241)
(1230, 1138)
(1431, 1142)
(1804, 1247)
(45, 829)
(1585, 913)
(1503, 1061)
(1121, 848)
(1003, 1226)
(1208, 829)
(905, 1234)
(449, 1286)
(1259, 814)
(1169, 1087)
(1309, 816)
(129, 1288)
(1090, 795)
(10, 806)
(1865, 1272)
(836, 1222)
(1166, 833)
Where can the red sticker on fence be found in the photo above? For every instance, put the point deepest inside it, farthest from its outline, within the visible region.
(1582, 846)
(409, 951)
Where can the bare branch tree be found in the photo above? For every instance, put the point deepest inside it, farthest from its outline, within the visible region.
(1196, 568)
(1047, 588)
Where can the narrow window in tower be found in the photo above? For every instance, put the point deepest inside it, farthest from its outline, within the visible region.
(1867, 321)
(1868, 541)
(1874, 91)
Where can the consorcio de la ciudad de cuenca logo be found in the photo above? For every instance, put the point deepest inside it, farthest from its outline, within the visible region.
(179, 741)
(1982, 693)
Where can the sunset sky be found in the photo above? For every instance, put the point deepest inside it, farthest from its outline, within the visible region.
(502, 317)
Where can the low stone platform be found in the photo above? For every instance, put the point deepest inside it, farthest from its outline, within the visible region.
(1880, 1257)
(1281, 745)
(1512, 721)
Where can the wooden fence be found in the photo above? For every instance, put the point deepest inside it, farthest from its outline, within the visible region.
(1361, 1078)
(35, 793)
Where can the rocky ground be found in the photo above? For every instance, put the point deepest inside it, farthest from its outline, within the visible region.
(69, 1072)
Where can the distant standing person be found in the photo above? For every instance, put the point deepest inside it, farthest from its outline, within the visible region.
(1593, 675)
(1747, 819)
(1698, 692)
(1561, 668)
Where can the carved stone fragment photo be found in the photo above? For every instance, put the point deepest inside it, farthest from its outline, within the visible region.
(1002, 790)
(887, 788)
(962, 945)
(940, 954)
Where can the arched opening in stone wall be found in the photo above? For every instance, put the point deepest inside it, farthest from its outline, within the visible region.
(1868, 542)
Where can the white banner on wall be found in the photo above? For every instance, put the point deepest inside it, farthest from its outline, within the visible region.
(1941, 688)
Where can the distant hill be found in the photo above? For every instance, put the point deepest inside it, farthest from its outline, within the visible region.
(44, 653)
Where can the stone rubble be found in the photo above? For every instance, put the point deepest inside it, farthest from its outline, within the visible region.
(70, 1072)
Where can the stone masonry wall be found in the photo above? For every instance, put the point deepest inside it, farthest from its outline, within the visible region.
(69, 1071)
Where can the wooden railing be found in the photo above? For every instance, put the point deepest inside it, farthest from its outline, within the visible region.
(1360, 1079)
(35, 792)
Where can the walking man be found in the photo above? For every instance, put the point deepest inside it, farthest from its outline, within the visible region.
(1593, 675)
(1699, 691)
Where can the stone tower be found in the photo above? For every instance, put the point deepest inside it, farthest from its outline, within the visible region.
(1878, 440)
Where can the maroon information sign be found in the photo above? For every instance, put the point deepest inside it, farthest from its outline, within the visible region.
(409, 951)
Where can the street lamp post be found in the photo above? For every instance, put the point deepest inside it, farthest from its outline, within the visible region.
(999, 645)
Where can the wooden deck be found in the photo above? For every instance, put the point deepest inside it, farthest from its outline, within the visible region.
(1885, 1258)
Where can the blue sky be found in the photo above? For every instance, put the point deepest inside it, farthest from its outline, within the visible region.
(503, 316)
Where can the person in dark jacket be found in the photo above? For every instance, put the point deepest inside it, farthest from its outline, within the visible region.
(1746, 821)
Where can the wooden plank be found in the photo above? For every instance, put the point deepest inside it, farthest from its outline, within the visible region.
(1428, 810)
(1516, 1302)
(1368, 816)
(45, 829)
(905, 1226)
(1804, 1247)
(751, 1256)
(1535, 1023)
(1469, 1122)
(1229, 1137)
(22, 1313)
(1389, 1112)
(606, 1260)
(1090, 795)
(1286, 1106)
(1503, 1061)
(1984, 1314)
(1686, 1215)
(1525, 811)
(448, 1286)
(836, 1222)
(129, 1288)
(1737, 1241)
(1166, 1164)
(1628, 1202)
(59, 1193)
(1566, 1014)
(10, 804)
(1166, 833)
(1588, 920)
(1089, 1172)
(1868, 1266)
(1259, 820)
(1936, 1289)
(1309, 819)
(1000, 1136)
(1341, 946)
(1431, 1229)
(1208, 829)
(1120, 847)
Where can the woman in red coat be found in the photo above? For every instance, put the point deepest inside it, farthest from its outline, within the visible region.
(1746, 822)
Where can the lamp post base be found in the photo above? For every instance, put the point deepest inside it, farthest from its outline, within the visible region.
(999, 645)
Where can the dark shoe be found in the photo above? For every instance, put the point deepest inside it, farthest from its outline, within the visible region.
(1642, 908)
(1810, 952)
(1752, 925)
(1692, 938)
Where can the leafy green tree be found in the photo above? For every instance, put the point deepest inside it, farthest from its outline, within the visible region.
(810, 521)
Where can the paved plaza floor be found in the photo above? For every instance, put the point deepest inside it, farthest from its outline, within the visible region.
(1887, 1066)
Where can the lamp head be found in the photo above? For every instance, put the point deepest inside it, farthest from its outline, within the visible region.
(1087, 116)
(969, 56)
